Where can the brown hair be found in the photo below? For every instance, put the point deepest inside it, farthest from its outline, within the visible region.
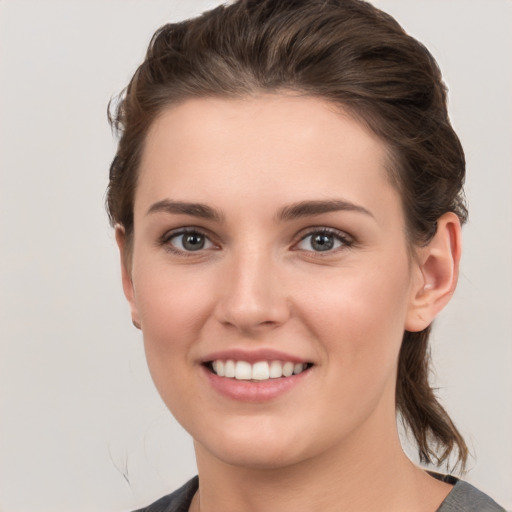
(353, 55)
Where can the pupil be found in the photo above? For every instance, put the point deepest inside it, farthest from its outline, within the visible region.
(193, 242)
(322, 242)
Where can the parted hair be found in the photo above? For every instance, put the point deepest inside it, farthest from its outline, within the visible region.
(355, 56)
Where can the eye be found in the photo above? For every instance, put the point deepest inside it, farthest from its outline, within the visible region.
(188, 241)
(323, 240)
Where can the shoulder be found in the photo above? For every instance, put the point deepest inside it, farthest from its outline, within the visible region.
(462, 498)
(178, 501)
(466, 498)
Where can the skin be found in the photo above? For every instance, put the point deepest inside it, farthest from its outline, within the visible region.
(260, 283)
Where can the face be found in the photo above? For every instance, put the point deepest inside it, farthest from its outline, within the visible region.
(269, 240)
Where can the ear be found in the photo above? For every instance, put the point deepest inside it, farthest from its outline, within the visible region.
(126, 274)
(437, 271)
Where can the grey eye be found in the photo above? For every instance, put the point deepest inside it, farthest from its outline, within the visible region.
(320, 242)
(190, 242)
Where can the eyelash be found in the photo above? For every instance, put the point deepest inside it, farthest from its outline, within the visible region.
(344, 240)
(165, 240)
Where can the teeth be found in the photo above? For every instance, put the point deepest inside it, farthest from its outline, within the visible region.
(219, 368)
(288, 369)
(243, 371)
(298, 368)
(262, 370)
(229, 369)
(276, 369)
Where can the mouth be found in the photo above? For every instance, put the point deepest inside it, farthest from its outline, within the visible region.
(258, 371)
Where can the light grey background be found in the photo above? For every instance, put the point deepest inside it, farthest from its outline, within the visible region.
(81, 427)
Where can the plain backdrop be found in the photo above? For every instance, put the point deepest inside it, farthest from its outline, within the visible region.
(81, 426)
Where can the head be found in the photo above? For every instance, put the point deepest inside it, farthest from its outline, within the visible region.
(351, 56)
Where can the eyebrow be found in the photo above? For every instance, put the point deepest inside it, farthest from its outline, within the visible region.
(200, 210)
(290, 212)
(309, 208)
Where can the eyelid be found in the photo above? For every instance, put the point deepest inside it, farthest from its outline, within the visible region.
(346, 239)
(165, 239)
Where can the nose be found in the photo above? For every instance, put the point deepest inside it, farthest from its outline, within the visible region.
(252, 297)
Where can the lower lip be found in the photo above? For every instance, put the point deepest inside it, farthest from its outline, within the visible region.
(254, 391)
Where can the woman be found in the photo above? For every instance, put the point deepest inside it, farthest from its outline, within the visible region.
(287, 197)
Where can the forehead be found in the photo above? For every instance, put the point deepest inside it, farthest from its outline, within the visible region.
(275, 145)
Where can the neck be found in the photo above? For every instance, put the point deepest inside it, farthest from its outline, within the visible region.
(359, 476)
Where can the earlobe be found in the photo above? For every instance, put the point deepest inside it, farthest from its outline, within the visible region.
(437, 273)
(126, 276)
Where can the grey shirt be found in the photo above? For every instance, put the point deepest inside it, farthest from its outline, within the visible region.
(462, 498)
(466, 498)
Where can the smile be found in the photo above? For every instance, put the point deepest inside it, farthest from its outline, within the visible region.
(258, 371)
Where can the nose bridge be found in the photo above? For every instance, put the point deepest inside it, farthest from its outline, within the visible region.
(253, 296)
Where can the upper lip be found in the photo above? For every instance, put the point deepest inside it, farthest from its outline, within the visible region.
(253, 356)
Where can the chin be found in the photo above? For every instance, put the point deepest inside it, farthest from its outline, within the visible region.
(256, 444)
(254, 456)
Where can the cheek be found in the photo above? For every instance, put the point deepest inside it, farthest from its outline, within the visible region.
(360, 316)
(172, 308)
(358, 323)
(170, 301)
